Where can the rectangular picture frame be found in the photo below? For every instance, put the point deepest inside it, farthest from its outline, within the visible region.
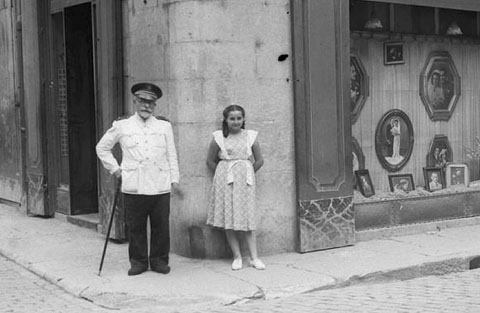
(401, 182)
(433, 177)
(364, 183)
(457, 175)
(393, 53)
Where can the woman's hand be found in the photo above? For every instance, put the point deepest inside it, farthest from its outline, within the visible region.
(257, 154)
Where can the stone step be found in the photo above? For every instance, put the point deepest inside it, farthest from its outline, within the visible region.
(90, 221)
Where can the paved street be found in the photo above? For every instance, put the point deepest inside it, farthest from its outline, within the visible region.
(22, 291)
(458, 292)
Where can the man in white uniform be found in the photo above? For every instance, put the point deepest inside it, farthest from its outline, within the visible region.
(149, 171)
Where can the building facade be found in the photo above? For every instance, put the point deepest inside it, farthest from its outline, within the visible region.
(68, 66)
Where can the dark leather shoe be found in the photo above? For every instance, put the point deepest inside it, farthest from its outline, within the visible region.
(161, 268)
(135, 270)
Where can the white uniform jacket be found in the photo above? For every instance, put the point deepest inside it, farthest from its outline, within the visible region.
(149, 159)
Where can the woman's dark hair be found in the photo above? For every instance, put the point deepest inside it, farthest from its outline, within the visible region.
(226, 111)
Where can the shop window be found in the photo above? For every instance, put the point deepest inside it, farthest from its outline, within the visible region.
(413, 19)
(459, 22)
(358, 14)
(365, 15)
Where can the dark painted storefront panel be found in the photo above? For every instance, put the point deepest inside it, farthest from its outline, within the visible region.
(322, 124)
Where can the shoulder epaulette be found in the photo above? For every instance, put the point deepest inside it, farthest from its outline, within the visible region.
(162, 118)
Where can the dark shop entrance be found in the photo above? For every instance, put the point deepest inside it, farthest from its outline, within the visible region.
(75, 107)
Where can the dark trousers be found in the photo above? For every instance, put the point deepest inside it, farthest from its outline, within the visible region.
(157, 208)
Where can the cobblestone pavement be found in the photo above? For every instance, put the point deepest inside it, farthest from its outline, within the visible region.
(23, 292)
(459, 292)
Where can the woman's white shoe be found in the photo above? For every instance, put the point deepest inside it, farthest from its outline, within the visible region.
(257, 264)
(237, 264)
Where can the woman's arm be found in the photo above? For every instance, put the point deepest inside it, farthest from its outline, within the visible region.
(257, 154)
(212, 157)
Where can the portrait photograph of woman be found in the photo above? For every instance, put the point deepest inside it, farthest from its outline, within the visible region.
(440, 88)
(394, 140)
(440, 85)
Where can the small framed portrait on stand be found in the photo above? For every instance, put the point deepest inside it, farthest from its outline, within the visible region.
(433, 178)
(364, 183)
(401, 182)
(393, 53)
(457, 175)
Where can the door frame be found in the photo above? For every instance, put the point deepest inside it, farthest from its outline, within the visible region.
(108, 67)
(110, 101)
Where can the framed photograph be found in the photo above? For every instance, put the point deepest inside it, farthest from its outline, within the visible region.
(358, 86)
(433, 177)
(393, 53)
(394, 140)
(457, 175)
(439, 86)
(365, 183)
(401, 182)
(440, 152)
(358, 160)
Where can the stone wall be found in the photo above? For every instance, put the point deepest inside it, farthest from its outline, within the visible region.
(206, 55)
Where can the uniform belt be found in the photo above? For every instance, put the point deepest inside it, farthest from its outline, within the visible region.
(137, 164)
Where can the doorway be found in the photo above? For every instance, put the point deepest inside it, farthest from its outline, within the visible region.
(75, 101)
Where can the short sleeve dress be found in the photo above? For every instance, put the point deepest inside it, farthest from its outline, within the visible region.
(232, 198)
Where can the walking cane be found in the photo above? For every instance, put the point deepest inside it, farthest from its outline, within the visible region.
(115, 199)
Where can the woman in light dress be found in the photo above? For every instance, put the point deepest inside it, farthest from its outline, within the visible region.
(234, 155)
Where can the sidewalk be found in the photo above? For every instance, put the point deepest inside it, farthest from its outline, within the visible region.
(69, 256)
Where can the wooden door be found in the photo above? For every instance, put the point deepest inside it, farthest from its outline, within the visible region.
(321, 37)
(37, 91)
(11, 171)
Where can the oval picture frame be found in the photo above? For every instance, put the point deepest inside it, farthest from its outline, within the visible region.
(394, 140)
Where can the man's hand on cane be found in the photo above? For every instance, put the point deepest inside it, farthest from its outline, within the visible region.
(118, 173)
